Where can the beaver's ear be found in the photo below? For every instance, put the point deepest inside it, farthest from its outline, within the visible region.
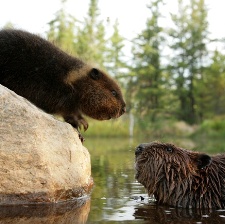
(95, 74)
(203, 160)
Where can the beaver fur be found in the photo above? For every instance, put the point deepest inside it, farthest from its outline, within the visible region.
(55, 81)
(179, 177)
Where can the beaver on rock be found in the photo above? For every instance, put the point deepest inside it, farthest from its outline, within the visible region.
(179, 177)
(55, 81)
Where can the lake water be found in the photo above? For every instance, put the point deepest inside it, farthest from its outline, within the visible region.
(116, 196)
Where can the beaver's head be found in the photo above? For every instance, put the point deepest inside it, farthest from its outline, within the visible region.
(99, 95)
(164, 168)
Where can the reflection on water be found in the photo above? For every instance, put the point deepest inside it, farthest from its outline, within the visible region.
(118, 198)
(162, 214)
(70, 212)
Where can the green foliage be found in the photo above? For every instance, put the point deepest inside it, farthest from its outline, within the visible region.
(186, 85)
(211, 88)
(113, 128)
(114, 61)
(62, 28)
(91, 43)
(148, 79)
(164, 128)
(189, 50)
(215, 126)
(85, 39)
(211, 130)
(9, 25)
(119, 128)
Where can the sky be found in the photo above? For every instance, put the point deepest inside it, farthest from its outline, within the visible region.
(33, 15)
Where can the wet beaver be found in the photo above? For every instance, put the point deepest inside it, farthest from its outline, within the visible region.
(179, 177)
(55, 81)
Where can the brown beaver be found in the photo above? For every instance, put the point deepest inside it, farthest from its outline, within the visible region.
(179, 177)
(55, 81)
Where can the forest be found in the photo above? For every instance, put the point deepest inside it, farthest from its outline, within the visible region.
(170, 74)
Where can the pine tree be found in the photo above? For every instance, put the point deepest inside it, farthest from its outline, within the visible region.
(211, 88)
(91, 43)
(62, 29)
(189, 48)
(148, 78)
(115, 62)
(8, 25)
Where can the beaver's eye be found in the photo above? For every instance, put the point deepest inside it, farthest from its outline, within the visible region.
(114, 93)
(168, 149)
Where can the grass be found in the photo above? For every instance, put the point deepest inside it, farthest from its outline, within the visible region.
(111, 128)
(214, 128)
(119, 128)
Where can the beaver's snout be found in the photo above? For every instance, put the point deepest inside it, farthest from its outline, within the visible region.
(123, 109)
(140, 148)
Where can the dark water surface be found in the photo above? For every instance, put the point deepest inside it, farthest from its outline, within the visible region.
(116, 196)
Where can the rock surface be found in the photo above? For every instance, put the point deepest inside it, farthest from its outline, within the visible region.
(41, 158)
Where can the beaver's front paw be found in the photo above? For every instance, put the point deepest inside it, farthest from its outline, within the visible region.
(77, 121)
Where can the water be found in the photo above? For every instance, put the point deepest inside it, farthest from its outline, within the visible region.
(116, 196)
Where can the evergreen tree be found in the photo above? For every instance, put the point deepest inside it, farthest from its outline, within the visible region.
(114, 62)
(211, 88)
(91, 43)
(8, 25)
(189, 49)
(62, 29)
(148, 78)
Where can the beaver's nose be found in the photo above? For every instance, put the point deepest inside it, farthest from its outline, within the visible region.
(123, 110)
(140, 149)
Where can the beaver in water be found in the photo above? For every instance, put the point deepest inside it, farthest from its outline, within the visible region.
(55, 81)
(179, 177)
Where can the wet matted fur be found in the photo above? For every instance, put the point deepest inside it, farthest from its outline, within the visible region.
(179, 177)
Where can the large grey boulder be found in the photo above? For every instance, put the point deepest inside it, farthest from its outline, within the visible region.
(41, 158)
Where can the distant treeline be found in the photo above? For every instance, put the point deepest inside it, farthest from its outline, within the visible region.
(170, 73)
